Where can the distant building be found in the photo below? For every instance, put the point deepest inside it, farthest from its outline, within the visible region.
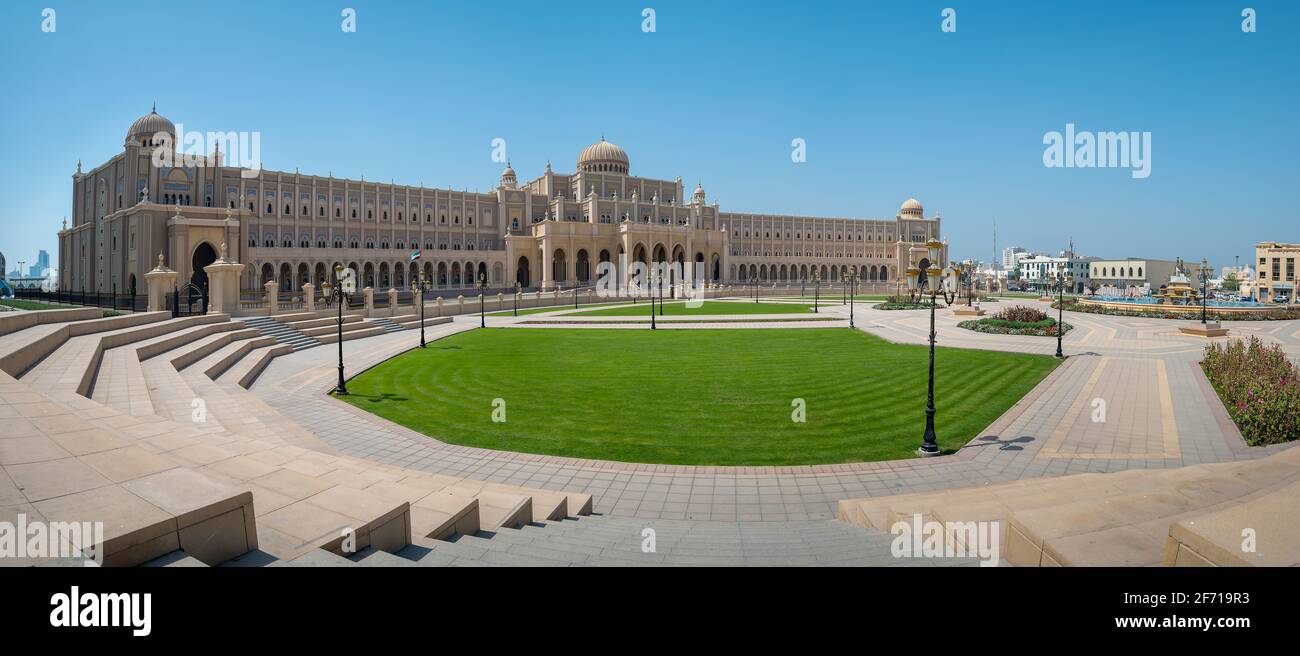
(1276, 273)
(1131, 272)
(3, 273)
(1040, 271)
(1009, 257)
(37, 270)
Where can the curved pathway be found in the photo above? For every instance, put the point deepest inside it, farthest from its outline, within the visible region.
(1130, 395)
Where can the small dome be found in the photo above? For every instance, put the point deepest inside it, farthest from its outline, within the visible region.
(149, 125)
(911, 207)
(698, 196)
(603, 156)
(508, 176)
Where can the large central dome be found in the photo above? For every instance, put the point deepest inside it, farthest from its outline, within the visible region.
(148, 126)
(603, 157)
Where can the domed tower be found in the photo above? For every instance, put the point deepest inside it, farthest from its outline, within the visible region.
(508, 179)
(698, 197)
(911, 209)
(603, 157)
(146, 129)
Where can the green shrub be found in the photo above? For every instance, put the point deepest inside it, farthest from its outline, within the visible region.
(1257, 384)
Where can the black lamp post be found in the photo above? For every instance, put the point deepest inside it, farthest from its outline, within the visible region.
(817, 290)
(1205, 285)
(929, 441)
(516, 298)
(482, 300)
(853, 291)
(340, 296)
(421, 286)
(1062, 279)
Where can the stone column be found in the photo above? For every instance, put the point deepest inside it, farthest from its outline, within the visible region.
(438, 301)
(392, 302)
(460, 304)
(369, 294)
(309, 297)
(272, 297)
(501, 300)
(159, 282)
(223, 285)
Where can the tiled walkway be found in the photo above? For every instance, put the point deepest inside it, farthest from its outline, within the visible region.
(1129, 396)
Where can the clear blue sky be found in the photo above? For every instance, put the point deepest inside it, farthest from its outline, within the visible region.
(889, 105)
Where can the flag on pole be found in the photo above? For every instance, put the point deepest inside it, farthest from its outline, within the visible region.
(415, 254)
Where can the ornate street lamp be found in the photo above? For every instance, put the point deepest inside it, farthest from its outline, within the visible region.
(340, 290)
(1206, 272)
(482, 300)
(817, 290)
(934, 275)
(421, 286)
(1062, 279)
(853, 291)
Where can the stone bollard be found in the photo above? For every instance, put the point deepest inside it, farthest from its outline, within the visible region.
(501, 300)
(369, 294)
(460, 304)
(160, 282)
(438, 301)
(392, 302)
(309, 297)
(272, 297)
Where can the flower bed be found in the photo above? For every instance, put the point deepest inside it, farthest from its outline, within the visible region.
(1257, 384)
(1016, 320)
(1044, 328)
(1212, 315)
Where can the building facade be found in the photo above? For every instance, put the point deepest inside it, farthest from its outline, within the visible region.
(1131, 272)
(548, 232)
(1275, 275)
(1040, 271)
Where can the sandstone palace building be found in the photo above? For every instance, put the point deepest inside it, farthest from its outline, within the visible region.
(551, 231)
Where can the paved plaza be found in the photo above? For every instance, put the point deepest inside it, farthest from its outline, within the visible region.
(1159, 412)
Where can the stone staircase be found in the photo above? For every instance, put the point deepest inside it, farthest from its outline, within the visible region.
(588, 541)
(283, 334)
(144, 422)
(387, 324)
(1187, 516)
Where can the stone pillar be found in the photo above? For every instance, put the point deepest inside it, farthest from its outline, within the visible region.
(392, 302)
(159, 283)
(460, 304)
(272, 297)
(501, 300)
(369, 294)
(223, 285)
(309, 297)
(438, 301)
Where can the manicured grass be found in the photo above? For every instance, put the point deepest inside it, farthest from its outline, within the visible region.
(701, 397)
(20, 304)
(678, 308)
(552, 308)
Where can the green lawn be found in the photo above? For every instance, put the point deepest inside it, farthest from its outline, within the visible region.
(21, 304)
(700, 397)
(552, 308)
(678, 308)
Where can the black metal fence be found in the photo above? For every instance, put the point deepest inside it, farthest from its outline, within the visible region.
(111, 300)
